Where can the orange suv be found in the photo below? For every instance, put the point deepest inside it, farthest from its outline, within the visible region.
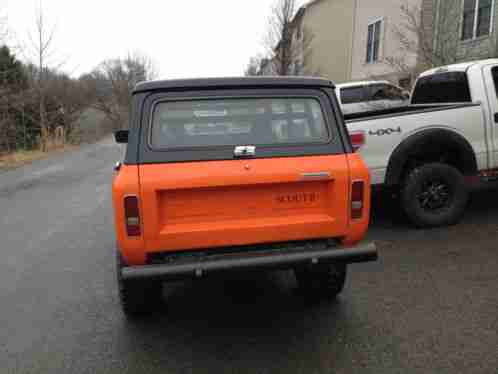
(237, 174)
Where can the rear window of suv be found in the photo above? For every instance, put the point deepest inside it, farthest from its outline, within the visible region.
(451, 87)
(232, 122)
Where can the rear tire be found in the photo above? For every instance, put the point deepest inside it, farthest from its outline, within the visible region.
(322, 280)
(137, 298)
(434, 195)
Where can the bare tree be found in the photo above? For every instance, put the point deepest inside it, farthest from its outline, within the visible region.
(66, 102)
(258, 66)
(36, 98)
(41, 49)
(254, 67)
(288, 42)
(433, 41)
(112, 82)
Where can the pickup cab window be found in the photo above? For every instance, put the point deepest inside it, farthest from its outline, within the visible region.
(450, 87)
(223, 122)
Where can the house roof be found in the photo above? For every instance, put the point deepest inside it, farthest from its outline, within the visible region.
(242, 82)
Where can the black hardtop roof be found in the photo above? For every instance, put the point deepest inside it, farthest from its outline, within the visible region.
(241, 82)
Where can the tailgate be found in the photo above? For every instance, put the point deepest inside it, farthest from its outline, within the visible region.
(241, 202)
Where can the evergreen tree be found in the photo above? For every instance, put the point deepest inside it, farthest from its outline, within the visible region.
(12, 73)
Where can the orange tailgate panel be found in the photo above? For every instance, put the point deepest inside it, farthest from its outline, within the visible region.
(241, 202)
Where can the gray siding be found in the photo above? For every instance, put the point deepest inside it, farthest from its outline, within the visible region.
(448, 30)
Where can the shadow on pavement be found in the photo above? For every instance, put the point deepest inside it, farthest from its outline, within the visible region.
(254, 319)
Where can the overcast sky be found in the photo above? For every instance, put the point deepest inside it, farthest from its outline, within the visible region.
(185, 38)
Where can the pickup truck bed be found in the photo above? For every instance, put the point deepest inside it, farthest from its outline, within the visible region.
(387, 129)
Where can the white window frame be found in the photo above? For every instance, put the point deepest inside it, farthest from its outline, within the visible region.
(476, 15)
(373, 22)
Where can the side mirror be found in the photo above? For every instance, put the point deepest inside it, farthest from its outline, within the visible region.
(406, 95)
(121, 136)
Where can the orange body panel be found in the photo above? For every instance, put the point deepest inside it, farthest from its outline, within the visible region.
(190, 206)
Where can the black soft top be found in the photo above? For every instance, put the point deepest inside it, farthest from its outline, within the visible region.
(245, 82)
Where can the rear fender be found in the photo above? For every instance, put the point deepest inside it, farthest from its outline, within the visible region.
(358, 227)
(415, 144)
(126, 183)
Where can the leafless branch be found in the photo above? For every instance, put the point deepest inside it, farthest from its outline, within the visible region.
(434, 43)
(287, 42)
(113, 81)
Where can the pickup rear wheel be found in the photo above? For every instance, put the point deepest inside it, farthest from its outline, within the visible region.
(322, 280)
(434, 195)
(137, 297)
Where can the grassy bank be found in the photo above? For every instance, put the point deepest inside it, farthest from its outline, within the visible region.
(22, 157)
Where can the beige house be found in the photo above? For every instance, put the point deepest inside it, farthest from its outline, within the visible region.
(354, 39)
(377, 49)
(330, 23)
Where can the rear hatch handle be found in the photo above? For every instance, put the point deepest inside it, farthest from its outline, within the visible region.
(242, 151)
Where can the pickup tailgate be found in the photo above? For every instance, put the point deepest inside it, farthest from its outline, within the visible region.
(239, 202)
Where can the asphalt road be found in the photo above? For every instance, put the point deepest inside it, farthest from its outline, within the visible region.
(430, 305)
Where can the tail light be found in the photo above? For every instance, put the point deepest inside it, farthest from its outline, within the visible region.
(357, 139)
(132, 216)
(357, 199)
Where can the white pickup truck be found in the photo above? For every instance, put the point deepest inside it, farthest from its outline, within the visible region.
(430, 150)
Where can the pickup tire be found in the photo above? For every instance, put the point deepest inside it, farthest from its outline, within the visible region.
(322, 280)
(434, 195)
(137, 297)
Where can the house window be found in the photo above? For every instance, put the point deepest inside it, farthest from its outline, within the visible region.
(477, 18)
(373, 41)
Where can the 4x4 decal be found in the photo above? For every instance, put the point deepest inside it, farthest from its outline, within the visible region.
(382, 132)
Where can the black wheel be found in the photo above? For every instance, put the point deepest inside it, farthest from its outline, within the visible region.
(137, 297)
(434, 195)
(322, 280)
